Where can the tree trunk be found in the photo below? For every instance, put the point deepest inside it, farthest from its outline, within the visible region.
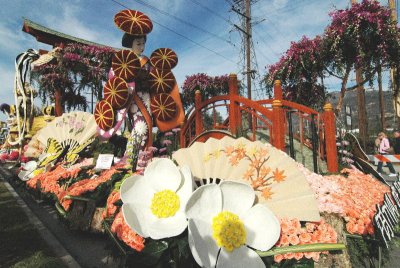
(362, 111)
(58, 102)
(381, 100)
(343, 90)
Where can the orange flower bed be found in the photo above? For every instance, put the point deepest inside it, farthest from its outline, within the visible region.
(293, 234)
(83, 186)
(49, 180)
(126, 234)
(111, 209)
(359, 195)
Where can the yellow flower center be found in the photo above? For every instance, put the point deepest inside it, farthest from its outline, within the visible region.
(228, 230)
(165, 204)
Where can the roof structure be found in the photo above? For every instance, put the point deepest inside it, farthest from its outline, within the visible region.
(52, 37)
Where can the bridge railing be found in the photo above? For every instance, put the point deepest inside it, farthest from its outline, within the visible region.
(278, 121)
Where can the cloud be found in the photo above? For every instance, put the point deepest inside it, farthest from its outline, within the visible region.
(279, 3)
(10, 39)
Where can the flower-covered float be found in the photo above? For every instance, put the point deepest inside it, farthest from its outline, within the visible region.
(222, 203)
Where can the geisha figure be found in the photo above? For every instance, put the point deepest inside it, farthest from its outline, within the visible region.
(141, 89)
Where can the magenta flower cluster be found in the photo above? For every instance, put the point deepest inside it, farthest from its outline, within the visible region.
(362, 36)
(77, 68)
(209, 86)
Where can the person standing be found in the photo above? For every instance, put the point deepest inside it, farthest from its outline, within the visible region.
(396, 146)
(384, 146)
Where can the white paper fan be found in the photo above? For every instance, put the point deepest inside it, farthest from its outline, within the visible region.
(275, 177)
(70, 132)
(78, 126)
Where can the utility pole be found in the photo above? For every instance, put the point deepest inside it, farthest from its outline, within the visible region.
(248, 40)
(362, 111)
(247, 33)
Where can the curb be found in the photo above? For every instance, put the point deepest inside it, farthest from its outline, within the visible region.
(50, 239)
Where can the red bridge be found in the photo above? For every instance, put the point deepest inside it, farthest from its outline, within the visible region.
(275, 118)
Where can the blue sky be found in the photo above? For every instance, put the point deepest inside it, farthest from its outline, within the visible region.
(211, 50)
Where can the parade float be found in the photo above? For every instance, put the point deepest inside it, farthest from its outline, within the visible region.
(187, 198)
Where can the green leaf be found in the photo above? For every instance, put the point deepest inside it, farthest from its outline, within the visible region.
(301, 248)
(152, 252)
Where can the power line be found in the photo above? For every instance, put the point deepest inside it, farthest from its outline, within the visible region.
(183, 21)
(212, 12)
(291, 8)
(181, 35)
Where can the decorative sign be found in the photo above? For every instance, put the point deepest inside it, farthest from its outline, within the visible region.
(387, 216)
(104, 161)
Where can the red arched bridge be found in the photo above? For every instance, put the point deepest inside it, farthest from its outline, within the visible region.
(277, 121)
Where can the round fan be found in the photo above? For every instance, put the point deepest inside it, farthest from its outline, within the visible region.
(275, 177)
(161, 81)
(104, 115)
(163, 107)
(133, 22)
(116, 92)
(126, 64)
(164, 58)
(65, 137)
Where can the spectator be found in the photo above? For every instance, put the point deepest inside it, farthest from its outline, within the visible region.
(396, 145)
(384, 146)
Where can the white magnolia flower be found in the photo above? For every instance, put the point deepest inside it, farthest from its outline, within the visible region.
(141, 127)
(154, 204)
(223, 222)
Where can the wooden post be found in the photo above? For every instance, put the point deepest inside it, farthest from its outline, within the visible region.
(278, 126)
(198, 118)
(58, 102)
(330, 138)
(278, 95)
(234, 113)
(182, 142)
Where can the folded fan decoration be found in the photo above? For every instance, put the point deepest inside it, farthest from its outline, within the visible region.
(274, 176)
(68, 134)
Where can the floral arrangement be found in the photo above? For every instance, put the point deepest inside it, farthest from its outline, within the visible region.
(209, 87)
(223, 224)
(292, 233)
(300, 70)
(167, 143)
(353, 195)
(77, 67)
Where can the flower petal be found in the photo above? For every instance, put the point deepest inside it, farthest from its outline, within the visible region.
(185, 190)
(163, 174)
(262, 227)
(240, 257)
(202, 245)
(136, 218)
(205, 203)
(136, 190)
(237, 197)
(168, 227)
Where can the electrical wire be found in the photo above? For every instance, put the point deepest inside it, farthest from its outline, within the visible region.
(182, 21)
(212, 12)
(181, 35)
